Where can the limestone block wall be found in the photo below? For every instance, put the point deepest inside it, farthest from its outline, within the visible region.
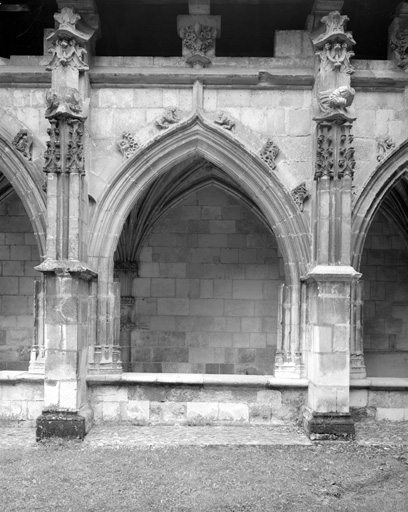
(385, 273)
(21, 397)
(18, 257)
(207, 295)
(195, 404)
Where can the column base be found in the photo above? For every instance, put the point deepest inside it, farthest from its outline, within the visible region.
(64, 424)
(328, 427)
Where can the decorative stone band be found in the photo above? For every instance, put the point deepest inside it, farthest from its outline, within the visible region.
(23, 142)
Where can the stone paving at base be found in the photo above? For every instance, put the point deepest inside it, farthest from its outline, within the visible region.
(117, 435)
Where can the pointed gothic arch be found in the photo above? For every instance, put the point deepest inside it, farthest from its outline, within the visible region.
(382, 180)
(24, 178)
(191, 138)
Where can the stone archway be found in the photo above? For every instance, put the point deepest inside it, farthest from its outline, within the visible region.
(380, 252)
(196, 137)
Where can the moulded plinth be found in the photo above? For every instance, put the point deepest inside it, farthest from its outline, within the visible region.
(62, 424)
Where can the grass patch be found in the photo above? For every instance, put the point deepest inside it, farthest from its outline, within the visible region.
(66, 476)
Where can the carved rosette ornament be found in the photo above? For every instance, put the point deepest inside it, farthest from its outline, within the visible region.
(225, 122)
(346, 162)
(384, 146)
(169, 117)
(299, 195)
(23, 143)
(128, 145)
(269, 152)
(324, 156)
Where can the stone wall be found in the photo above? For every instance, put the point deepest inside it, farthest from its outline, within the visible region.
(195, 404)
(385, 273)
(18, 257)
(207, 295)
(21, 397)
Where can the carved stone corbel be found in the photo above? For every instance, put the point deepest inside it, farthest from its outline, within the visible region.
(23, 142)
(299, 195)
(334, 103)
(64, 103)
(128, 145)
(169, 117)
(269, 152)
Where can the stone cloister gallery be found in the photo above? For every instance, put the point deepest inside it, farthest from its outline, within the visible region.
(203, 213)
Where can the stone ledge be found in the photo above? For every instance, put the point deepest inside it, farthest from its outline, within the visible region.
(380, 383)
(196, 379)
(18, 376)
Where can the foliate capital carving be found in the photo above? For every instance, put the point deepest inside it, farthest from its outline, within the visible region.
(335, 56)
(269, 152)
(67, 53)
(23, 142)
(169, 117)
(52, 154)
(198, 33)
(299, 195)
(75, 147)
(334, 103)
(64, 103)
(335, 31)
(324, 156)
(127, 301)
(128, 145)
(346, 162)
(384, 146)
(224, 121)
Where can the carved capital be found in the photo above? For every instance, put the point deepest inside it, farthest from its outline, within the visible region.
(64, 103)
(346, 162)
(169, 117)
(269, 152)
(224, 121)
(324, 155)
(52, 154)
(384, 146)
(128, 145)
(23, 143)
(125, 267)
(335, 56)
(67, 53)
(299, 195)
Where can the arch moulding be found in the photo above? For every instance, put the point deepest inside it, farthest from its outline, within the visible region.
(382, 180)
(23, 177)
(197, 137)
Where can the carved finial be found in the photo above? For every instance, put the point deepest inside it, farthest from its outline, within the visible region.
(384, 146)
(170, 116)
(335, 30)
(299, 195)
(128, 145)
(67, 18)
(224, 121)
(269, 152)
(23, 142)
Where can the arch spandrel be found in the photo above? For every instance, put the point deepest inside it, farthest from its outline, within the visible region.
(381, 181)
(24, 178)
(191, 138)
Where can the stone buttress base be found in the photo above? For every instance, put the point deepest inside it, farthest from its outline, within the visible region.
(64, 424)
(330, 426)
